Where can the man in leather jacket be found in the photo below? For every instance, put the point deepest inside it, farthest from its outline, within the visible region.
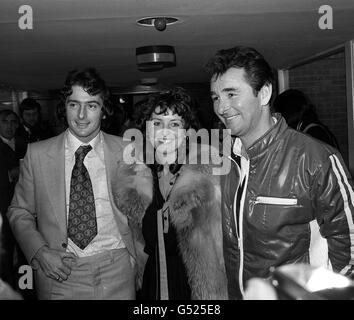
(288, 197)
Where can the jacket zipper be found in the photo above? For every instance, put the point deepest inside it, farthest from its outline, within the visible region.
(240, 222)
(276, 201)
(241, 230)
(234, 206)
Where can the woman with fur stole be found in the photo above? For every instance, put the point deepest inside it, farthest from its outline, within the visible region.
(173, 205)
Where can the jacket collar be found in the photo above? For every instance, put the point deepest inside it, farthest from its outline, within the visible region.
(272, 135)
(262, 143)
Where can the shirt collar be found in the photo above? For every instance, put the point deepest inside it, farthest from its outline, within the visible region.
(9, 142)
(74, 143)
(239, 149)
(27, 129)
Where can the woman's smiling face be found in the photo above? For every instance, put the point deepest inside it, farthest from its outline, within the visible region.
(165, 131)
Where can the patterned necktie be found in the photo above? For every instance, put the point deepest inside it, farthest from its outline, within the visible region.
(82, 225)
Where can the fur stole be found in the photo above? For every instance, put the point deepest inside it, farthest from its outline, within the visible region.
(195, 210)
(132, 194)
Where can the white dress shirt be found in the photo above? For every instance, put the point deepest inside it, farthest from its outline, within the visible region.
(108, 236)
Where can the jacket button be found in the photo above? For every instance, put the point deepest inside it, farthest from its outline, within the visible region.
(64, 245)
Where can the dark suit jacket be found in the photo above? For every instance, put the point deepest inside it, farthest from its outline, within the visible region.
(38, 133)
(24, 137)
(8, 160)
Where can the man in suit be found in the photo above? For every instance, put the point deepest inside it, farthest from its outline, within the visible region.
(31, 128)
(9, 170)
(6, 291)
(12, 149)
(62, 213)
(9, 122)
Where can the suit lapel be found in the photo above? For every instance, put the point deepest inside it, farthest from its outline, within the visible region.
(111, 160)
(113, 153)
(53, 168)
(8, 154)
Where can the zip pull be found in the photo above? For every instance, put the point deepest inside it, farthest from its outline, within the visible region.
(238, 242)
(276, 201)
(165, 219)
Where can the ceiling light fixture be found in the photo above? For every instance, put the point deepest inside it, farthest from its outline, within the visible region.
(154, 58)
(159, 22)
(145, 86)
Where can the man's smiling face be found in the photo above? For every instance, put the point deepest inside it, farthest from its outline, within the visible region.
(84, 113)
(235, 102)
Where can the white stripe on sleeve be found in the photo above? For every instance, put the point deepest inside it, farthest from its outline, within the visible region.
(343, 181)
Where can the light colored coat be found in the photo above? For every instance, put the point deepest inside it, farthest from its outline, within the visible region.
(37, 213)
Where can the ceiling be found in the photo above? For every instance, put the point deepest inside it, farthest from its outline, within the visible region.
(69, 34)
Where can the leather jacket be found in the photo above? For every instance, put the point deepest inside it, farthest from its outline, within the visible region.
(296, 205)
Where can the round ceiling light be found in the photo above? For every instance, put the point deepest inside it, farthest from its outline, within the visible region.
(156, 21)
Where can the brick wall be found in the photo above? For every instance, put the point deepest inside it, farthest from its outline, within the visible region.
(324, 82)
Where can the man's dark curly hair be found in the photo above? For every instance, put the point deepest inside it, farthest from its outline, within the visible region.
(176, 99)
(257, 70)
(90, 80)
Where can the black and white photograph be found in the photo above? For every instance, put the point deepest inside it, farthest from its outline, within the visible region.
(176, 154)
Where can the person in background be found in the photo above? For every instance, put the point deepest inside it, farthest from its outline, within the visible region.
(118, 122)
(62, 214)
(300, 114)
(31, 128)
(173, 204)
(288, 197)
(10, 149)
(6, 291)
(135, 117)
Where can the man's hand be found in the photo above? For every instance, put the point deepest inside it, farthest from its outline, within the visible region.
(54, 263)
(259, 289)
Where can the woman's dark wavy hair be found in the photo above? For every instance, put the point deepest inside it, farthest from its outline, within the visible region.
(257, 70)
(90, 80)
(179, 102)
(176, 99)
